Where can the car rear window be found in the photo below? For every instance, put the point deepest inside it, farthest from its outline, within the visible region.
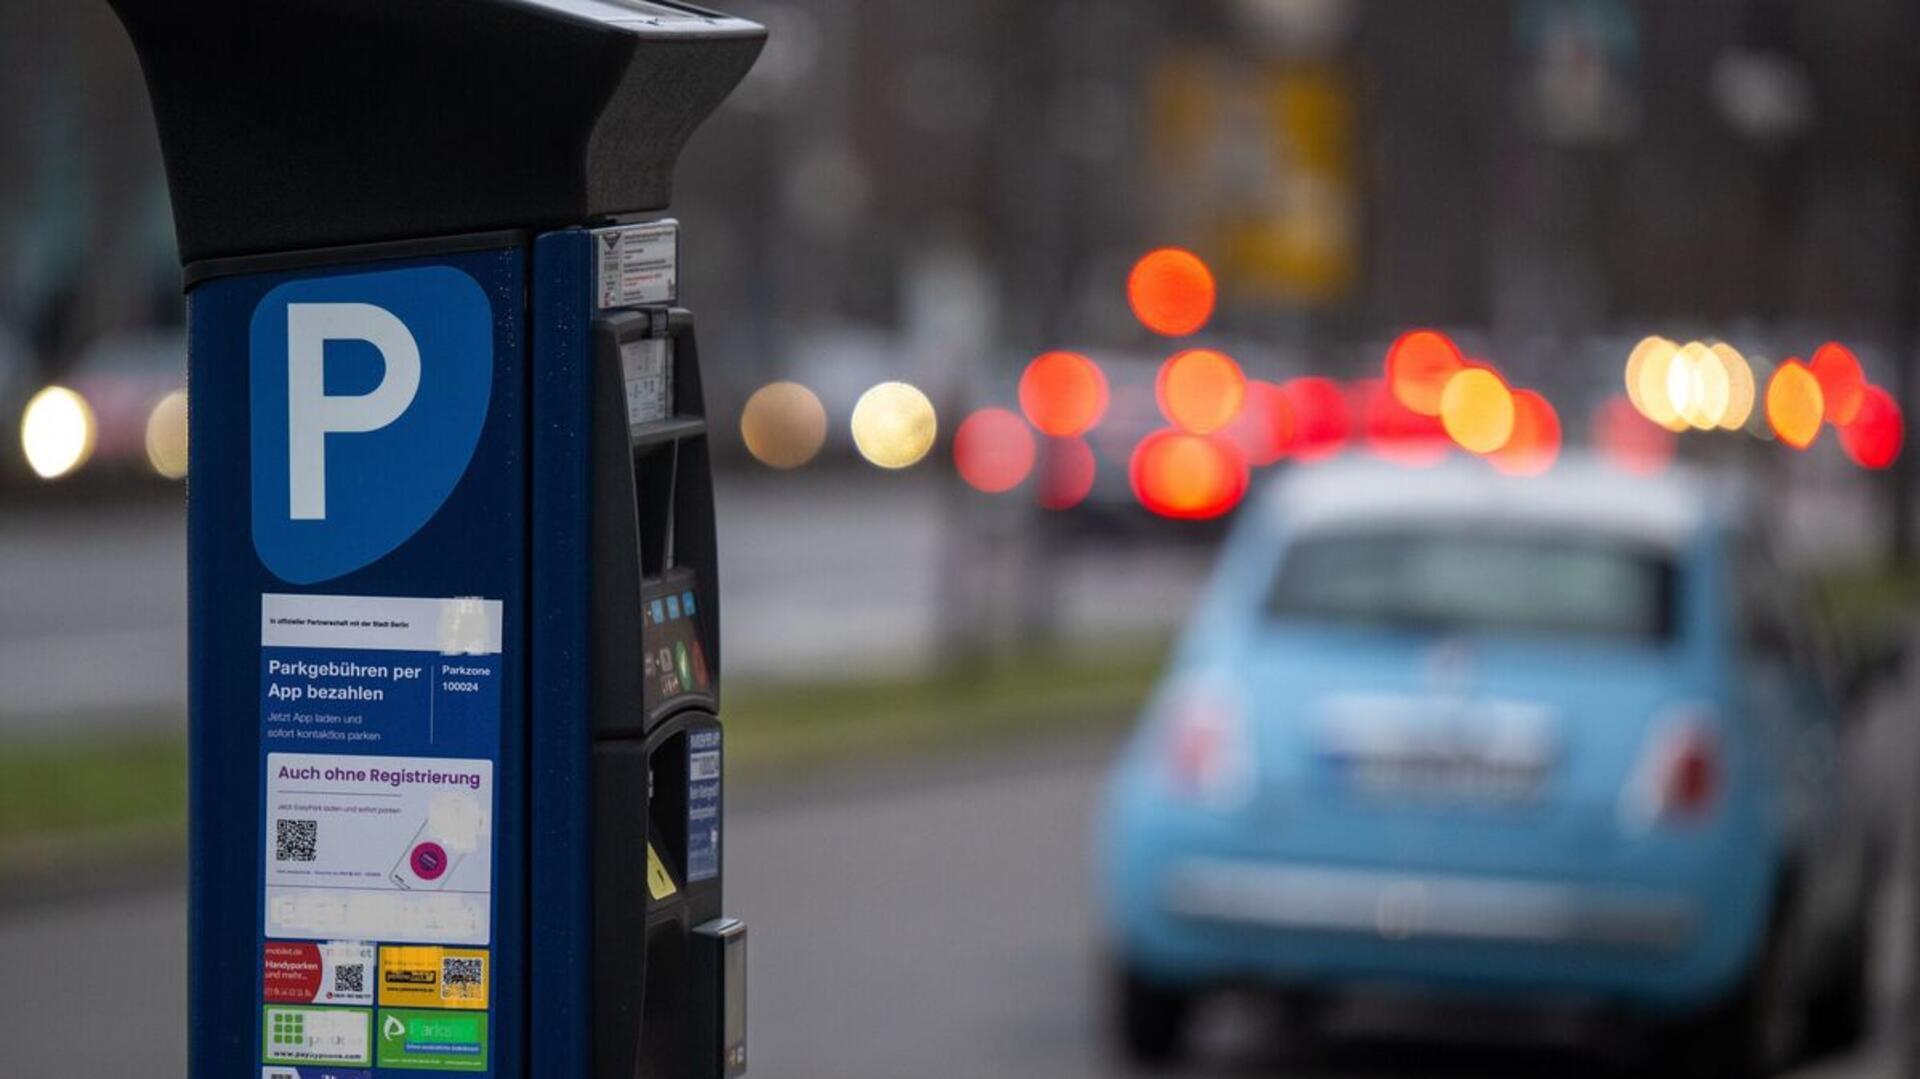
(1475, 581)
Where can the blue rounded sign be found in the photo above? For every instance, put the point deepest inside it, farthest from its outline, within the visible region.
(369, 393)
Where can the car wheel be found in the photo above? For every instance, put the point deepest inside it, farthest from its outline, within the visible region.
(1839, 1013)
(1149, 1018)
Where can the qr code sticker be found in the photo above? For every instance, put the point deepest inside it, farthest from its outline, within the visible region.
(350, 978)
(462, 976)
(294, 840)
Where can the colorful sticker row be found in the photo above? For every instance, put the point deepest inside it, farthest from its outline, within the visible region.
(406, 976)
(401, 1038)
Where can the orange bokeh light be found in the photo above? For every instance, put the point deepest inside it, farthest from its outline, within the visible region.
(1322, 421)
(1264, 429)
(1171, 291)
(1200, 390)
(1874, 438)
(1477, 410)
(1843, 384)
(1395, 432)
(1063, 393)
(1796, 406)
(993, 450)
(1630, 440)
(1535, 443)
(1418, 367)
(1066, 473)
(1186, 476)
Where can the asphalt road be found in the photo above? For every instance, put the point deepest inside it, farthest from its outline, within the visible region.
(926, 923)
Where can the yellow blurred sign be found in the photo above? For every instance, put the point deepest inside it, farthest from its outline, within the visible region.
(423, 976)
(659, 882)
(1257, 161)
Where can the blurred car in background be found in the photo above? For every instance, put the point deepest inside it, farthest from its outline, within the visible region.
(1562, 739)
(118, 414)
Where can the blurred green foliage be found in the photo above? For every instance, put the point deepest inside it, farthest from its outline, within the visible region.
(68, 802)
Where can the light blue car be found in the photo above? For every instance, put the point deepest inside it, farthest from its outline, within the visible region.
(1513, 740)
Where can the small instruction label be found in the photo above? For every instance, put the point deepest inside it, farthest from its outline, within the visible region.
(703, 805)
(637, 265)
(647, 365)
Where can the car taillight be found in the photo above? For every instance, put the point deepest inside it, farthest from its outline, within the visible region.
(1680, 777)
(1206, 752)
(1693, 776)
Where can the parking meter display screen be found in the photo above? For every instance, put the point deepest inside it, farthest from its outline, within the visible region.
(675, 663)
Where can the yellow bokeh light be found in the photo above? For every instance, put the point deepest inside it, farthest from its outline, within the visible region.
(1653, 382)
(1740, 386)
(1476, 408)
(1637, 362)
(167, 435)
(783, 424)
(894, 425)
(1795, 405)
(57, 432)
(1707, 386)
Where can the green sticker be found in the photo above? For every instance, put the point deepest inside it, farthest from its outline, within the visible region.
(441, 1041)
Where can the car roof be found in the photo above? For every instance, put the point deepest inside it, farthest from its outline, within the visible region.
(1579, 493)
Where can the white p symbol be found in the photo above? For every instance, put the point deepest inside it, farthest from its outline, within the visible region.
(312, 414)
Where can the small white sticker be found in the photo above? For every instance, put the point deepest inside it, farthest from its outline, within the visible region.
(648, 367)
(637, 265)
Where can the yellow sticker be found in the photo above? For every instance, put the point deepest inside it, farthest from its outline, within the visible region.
(428, 976)
(659, 882)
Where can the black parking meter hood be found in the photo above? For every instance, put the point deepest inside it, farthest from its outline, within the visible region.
(297, 124)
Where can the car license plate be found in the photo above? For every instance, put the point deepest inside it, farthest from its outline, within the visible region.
(1480, 751)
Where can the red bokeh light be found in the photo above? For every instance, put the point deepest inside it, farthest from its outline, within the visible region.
(1186, 476)
(1322, 422)
(1395, 432)
(1629, 440)
(1843, 384)
(1263, 431)
(1063, 393)
(1067, 469)
(1200, 390)
(1418, 367)
(1535, 443)
(993, 450)
(1171, 291)
(1874, 438)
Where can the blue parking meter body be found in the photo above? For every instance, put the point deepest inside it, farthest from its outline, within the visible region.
(455, 755)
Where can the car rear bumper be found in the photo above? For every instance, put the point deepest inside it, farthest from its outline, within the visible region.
(1393, 906)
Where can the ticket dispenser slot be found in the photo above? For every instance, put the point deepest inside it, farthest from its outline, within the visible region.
(655, 699)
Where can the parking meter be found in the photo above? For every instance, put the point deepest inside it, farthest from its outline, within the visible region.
(455, 754)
